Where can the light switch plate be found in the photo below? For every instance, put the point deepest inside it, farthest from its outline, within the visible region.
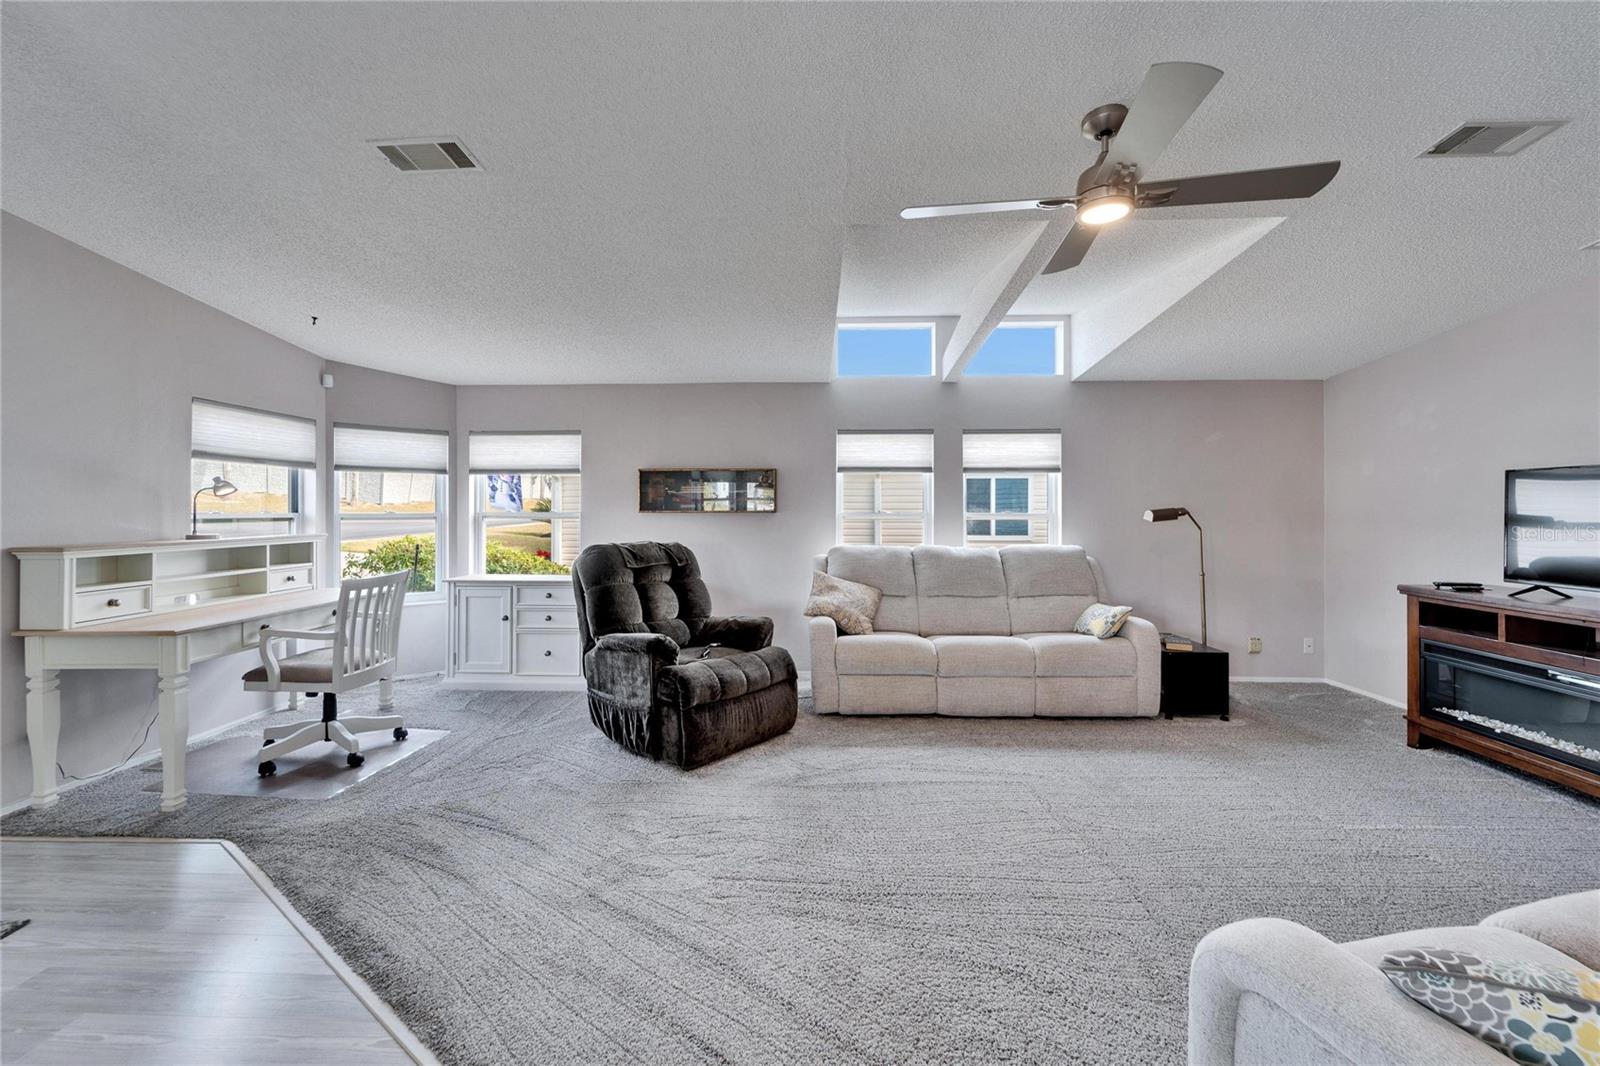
(1308, 646)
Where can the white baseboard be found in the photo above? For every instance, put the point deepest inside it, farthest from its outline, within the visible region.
(1322, 681)
(514, 682)
(1363, 692)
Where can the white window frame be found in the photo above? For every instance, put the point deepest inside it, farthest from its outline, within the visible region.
(441, 525)
(483, 518)
(1051, 514)
(877, 515)
(862, 324)
(221, 523)
(1036, 323)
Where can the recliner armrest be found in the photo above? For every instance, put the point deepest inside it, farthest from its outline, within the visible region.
(744, 632)
(623, 666)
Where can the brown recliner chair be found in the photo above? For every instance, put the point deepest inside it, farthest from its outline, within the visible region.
(666, 679)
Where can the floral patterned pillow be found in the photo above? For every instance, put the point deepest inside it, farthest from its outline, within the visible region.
(1531, 1012)
(1102, 620)
(850, 604)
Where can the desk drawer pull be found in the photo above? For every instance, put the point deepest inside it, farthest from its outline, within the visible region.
(113, 603)
(548, 652)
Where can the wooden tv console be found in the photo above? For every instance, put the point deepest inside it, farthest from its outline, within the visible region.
(1537, 629)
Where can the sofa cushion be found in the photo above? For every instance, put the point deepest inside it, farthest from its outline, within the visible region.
(961, 592)
(888, 569)
(885, 653)
(1479, 939)
(850, 604)
(1570, 924)
(1102, 620)
(642, 587)
(1048, 586)
(1532, 1012)
(984, 657)
(1080, 655)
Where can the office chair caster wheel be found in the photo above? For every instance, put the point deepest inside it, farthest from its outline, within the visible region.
(264, 743)
(400, 733)
(267, 769)
(355, 758)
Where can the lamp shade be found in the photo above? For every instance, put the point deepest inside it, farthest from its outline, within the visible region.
(1165, 514)
(221, 487)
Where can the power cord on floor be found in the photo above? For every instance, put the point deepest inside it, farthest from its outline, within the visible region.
(142, 738)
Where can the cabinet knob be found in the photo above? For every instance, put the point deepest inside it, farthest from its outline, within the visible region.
(505, 618)
(549, 618)
(113, 603)
(289, 577)
(547, 652)
(549, 595)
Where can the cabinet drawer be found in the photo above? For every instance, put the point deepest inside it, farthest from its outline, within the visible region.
(544, 595)
(290, 579)
(554, 652)
(551, 618)
(110, 603)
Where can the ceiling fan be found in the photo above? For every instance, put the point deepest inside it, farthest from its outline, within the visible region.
(1131, 139)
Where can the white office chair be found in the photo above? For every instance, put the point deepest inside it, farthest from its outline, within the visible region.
(363, 645)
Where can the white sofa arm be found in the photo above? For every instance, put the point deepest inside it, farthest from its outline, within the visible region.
(824, 674)
(1346, 1004)
(1146, 640)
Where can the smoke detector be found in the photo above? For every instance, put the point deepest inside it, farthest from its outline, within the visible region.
(427, 154)
(1491, 138)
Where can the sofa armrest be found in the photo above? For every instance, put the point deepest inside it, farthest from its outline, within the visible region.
(622, 666)
(1146, 640)
(824, 674)
(1346, 1003)
(744, 632)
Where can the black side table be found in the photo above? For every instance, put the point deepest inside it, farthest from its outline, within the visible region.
(1194, 682)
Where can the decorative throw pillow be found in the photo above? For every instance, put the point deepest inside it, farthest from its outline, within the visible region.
(850, 604)
(1102, 620)
(1531, 1012)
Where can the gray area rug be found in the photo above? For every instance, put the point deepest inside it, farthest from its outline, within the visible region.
(867, 890)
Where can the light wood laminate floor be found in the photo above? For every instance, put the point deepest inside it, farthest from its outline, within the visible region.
(169, 952)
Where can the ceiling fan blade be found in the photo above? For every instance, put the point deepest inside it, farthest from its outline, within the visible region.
(1274, 183)
(1169, 95)
(943, 210)
(1072, 250)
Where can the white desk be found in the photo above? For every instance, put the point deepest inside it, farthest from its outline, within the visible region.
(168, 643)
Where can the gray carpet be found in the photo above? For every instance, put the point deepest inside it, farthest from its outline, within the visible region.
(867, 890)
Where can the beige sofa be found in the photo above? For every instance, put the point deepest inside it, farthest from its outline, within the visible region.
(1269, 992)
(979, 632)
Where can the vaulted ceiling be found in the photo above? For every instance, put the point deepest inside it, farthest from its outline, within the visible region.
(695, 192)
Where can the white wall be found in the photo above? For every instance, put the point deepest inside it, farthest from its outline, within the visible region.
(100, 364)
(1416, 448)
(1246, 457)
(98, 369)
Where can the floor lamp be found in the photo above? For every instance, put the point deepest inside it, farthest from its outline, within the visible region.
(1168, 514)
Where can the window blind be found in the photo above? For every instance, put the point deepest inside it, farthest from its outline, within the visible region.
(240, 434)
(873, 450)
(1030, 450)
(524, 453)
(400, 451)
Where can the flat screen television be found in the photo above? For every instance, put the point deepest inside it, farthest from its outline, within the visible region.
(1553, 526)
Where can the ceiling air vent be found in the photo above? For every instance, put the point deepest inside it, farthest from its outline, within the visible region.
(1491, 138)
(428, 155)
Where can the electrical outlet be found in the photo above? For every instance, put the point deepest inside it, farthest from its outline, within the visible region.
(1255, 645)
(1308, 646)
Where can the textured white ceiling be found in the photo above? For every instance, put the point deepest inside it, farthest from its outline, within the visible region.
(693, 192)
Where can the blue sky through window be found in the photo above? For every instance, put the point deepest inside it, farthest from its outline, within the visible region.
(1016, 350)
(879, 351)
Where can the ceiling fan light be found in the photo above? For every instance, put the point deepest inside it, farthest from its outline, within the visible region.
(1102, 209)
